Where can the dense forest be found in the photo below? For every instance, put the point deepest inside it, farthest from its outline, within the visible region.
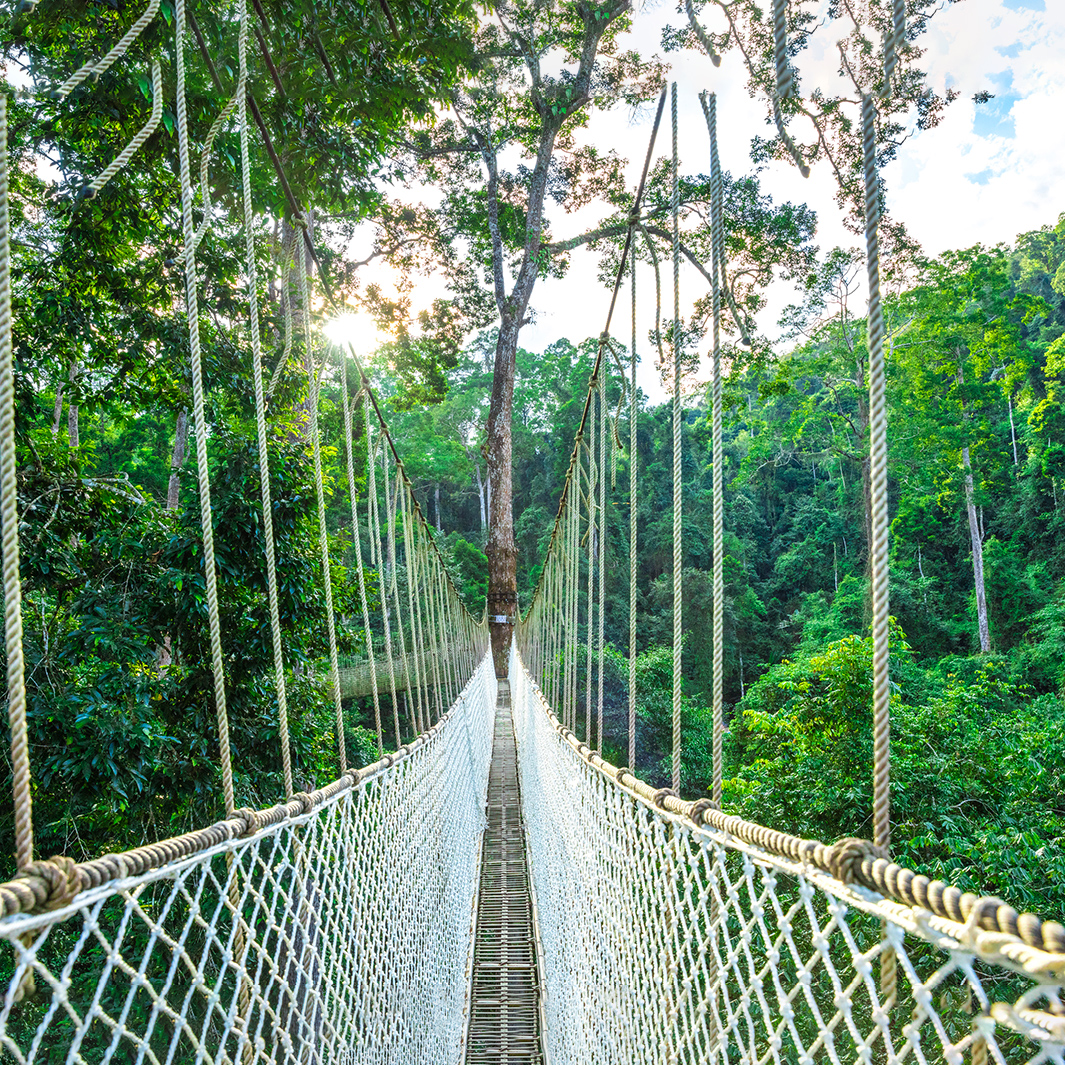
(115, 621)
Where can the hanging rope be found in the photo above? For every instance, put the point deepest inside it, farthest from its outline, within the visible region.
(260, 424)
(894, 43)
(319, 491)
(879, 522)
(199, 419)
(602, 548)
(632, 520)
(9, 522)
(678, 608)
(784, 72)
(356, 539)
(717, 248)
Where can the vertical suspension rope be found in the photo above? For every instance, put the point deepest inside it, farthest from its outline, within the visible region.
(319, 489)
(573, 501)
(677, 496)
(601, 554)
(356, 537)
(192, 310)
(260, 420)
(590, 496)
(896, 38)
(879, 522)
(408, 558)
(717, 245)
(784, 72)
(878, 478)
(9, 523)
(632, 521)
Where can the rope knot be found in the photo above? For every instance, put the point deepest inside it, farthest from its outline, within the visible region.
(624, 771)
(305, 801)
(57, 882)
(659, 797)
(250, 819)
(845, 858)
(700, 809)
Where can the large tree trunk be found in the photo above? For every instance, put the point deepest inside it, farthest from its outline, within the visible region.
(72, 410)
(58, 414)
(975, 533)
(978, 554)
(181, 437)
(501, 550)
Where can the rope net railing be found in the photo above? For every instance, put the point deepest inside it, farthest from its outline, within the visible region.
(674, 933)
(335, 926)
(671, 931)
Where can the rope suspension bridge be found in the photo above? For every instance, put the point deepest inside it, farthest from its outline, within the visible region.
(490, 889)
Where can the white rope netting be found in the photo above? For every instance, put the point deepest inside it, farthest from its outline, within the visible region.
(342, 935)
(668, 942)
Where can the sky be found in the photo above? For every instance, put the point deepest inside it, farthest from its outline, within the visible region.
(985, 174)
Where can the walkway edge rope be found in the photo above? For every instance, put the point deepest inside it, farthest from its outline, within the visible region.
(857, 861)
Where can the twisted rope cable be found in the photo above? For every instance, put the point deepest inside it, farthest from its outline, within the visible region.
(9, 524)
(601, 554)
(99, 67)
(879, 545)
(894, 43)
(878, 479)
(260, 410)
(138, 140)
(574, 580)
(590, 496)
(356, 538)
(717, 248)
(701, 34)
(373, 519)
(784, 71)
(319, 491)
(199, 419)
(677, 497)
(384, 581)
(408, 557)
(632, 520)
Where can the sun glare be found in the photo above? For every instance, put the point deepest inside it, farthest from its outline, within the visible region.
(354, 329)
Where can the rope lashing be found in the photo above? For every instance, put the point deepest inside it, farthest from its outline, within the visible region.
(9, 530)
(678, 635)
(199, 419)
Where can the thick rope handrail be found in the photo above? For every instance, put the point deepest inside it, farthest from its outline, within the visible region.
(849, 860)
(53, 883)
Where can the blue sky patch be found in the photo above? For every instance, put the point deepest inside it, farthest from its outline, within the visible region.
(1010, 51)
(1025, 5)
(993, 119)
(981, 178)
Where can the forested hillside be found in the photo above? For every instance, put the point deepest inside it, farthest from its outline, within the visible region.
(977, 433)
